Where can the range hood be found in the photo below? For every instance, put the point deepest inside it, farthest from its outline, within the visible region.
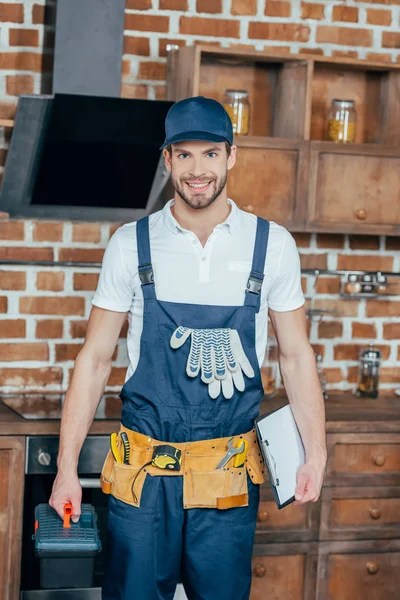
(83, 152)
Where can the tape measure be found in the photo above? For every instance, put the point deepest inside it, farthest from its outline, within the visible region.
(167, 457)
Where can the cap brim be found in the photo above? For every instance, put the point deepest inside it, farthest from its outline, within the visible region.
(195, 136)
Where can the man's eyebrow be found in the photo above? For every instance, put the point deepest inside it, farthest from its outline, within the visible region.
(183, 150)
(212, 149)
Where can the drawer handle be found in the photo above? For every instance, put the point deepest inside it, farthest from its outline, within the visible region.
(372, 567)
(361, 214)
(259, 571)
(379, 460)
(248, 208)
(263, 515)
(375, 513)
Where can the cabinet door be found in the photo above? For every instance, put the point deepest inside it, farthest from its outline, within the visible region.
(269, 179)
(354, 188)
(12, 453)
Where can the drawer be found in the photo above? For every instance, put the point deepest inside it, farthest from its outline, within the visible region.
(278, 577)
(370, 576)
(360, 513)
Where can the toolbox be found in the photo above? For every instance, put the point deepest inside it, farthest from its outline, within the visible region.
(66, 550)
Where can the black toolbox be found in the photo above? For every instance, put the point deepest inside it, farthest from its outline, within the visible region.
(66, 550)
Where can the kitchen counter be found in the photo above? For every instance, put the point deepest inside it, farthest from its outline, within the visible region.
(344, 412)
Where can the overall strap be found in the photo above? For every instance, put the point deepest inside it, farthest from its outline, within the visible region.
(255, 280)
(144, 259)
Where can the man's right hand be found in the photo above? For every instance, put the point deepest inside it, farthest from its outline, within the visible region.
(67, 488)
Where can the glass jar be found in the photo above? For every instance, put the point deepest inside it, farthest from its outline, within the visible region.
(236, 104)
(368, 383)
(342, 121)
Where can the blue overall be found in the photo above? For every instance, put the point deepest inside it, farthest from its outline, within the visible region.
(154, 547)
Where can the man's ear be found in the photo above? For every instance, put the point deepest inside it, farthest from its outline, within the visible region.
(232, 158)
(167, 158)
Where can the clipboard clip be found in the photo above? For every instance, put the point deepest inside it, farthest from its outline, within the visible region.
(271, 464)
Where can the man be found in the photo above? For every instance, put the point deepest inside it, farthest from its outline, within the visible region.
(197, 281)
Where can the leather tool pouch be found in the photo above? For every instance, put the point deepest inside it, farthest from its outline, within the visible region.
(204, 486)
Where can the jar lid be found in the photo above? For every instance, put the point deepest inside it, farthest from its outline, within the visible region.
(343, 103)
(237, 93)
(372, 354)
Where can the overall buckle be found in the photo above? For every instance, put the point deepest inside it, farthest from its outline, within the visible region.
(254, 282)
(146, 274)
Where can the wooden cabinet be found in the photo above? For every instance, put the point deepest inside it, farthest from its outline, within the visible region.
(12, 455)
(286, 171)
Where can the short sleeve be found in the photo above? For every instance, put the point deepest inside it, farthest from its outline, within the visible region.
(114, 289)
(286, 293)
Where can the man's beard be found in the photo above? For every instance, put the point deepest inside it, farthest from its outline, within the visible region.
(200, 200)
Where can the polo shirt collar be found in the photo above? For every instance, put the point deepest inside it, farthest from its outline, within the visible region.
(231, 222)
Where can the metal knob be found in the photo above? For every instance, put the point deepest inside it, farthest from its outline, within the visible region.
(375, 513)
(379, 460)
(44, 458)
(263, 515)
(259, 570)
(361, 214)
(248, 208)
(372, 567)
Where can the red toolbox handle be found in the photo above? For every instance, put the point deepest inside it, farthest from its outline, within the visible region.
(67, 515)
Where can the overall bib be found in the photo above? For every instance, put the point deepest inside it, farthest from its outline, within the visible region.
(155, 546)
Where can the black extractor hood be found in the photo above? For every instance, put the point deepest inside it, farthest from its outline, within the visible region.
(83, 152)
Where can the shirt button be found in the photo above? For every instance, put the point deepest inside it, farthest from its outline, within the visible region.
(193, 241)
(204, 258)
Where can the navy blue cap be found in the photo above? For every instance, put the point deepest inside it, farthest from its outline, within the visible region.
(198, 118)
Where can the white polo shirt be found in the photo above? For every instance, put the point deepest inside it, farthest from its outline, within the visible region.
(186, 272)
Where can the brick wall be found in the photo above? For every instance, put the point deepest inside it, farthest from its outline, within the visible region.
(40, 334)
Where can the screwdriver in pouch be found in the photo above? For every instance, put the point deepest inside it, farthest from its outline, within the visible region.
(126, 448)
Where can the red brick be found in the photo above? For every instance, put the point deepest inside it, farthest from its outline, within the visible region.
(328, 285)
(3, 304)
(379, 17)
(147, 23)
(312, 11)
(330, 329)
(333, 374)
(363, 330)
(392, 2)
(330, 240)
(12, 352)
(348, 14)
(21, 61)
(208, 6)
(391, 331)
(244, 7)
(3, 154)
(345, 36)
(78, 328)
(13, 328)
(85, 281)
(319, 349)
(366, 262)
(343, 308)
(112, 406)
(353, 374)
(8, 109)
(312, 51)
(379, 57)
(390, 39)
(126, 67)
(20, 377)
(12, 280)
(160, 92)
(314, 261)
(352, 351)
(383, 308)
(345, 53)
(139, 4)
(38, 14)
(163, 43)
(285, 32)
(11, 13)
(132, 90)
(12, 230)
(50, 281)
(49, 329)
(81, 254)
(213, 27)
(389, 375)
(24, 37)
(58, 305)
(48, 231)
(278, 8)
(117, 376)
(67, 351)
(241, 46)
(151, 70)
(138, 46)
(19, 84)
(86, 232)
(364, 242)
(302, 240)
(392, 243)
(26, 253)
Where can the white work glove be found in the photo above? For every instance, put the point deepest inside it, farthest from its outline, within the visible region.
(220, 356)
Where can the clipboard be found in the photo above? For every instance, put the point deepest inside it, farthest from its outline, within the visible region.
(282, 450)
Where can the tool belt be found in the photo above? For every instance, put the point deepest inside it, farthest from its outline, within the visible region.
(204, 486)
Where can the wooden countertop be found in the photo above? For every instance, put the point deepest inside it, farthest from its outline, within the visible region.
(344, 412)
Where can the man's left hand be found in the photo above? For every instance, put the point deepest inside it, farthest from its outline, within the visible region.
(309, 483)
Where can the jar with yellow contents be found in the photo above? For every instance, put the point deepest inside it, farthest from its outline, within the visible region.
(342, 121)
(236, 104)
